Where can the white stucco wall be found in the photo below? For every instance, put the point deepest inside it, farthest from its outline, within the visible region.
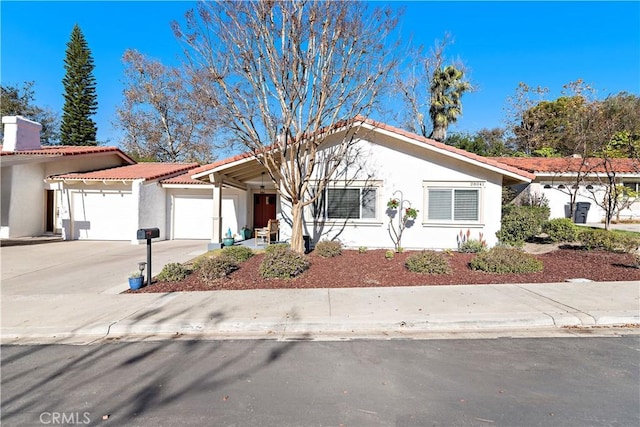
(151, 208)
(23, 200)
(394, 166)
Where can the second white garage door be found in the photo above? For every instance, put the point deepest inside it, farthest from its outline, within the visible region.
(193, 216)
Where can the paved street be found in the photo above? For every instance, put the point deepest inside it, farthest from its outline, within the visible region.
(498, 382)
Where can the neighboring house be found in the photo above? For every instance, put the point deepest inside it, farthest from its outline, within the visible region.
(453, 189)
(112, 204)
(31, 205)
(99, 193)
(558, 178)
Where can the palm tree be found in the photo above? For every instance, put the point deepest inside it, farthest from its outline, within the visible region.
(447, 89)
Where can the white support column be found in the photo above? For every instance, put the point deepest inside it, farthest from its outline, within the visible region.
(216, 237)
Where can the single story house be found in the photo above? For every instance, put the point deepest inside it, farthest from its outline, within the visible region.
(100, 193)
(452, 189)
(558, 178)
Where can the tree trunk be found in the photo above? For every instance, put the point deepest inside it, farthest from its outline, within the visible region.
(439, 133)
(297, 241)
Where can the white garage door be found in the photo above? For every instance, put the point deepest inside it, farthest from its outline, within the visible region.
(103, 215)
(193, 216)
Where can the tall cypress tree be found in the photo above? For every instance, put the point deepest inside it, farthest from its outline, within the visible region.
(80, 99)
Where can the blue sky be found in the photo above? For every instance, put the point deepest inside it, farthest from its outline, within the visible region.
(503, 43)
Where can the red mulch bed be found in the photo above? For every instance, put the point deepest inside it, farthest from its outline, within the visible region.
(353, 269)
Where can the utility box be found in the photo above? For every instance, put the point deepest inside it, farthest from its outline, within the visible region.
(148, 233)
(580, 215)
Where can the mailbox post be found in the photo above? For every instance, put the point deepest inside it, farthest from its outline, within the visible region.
(148, 233)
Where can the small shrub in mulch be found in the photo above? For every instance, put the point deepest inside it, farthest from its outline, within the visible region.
(428, 262)
(560, 230)
(278, 247)
(607, 240)
(472, 246)
(215, 268)
(173, 272)
(501, 259)
(237, 253)
(282, 263)
(521, 223)
(328, 248)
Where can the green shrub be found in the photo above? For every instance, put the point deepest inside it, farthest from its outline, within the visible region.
(521, 223)
(428, 262)
(237, 253)
(215, 268)
(278, 247)
(328, 248)
(606, 240)
(389, 254)
(502, 259)
(362, 250)
(472, 246)
(282, 263)
(173, 272)
(561, 230)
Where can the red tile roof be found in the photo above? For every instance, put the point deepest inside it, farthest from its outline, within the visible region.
(185, 178)
(427, 141)
(539, 165)
(66, 150)
(145, 171)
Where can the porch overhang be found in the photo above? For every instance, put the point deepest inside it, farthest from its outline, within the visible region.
(235, 174)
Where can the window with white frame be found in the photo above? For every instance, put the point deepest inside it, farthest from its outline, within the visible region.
(453, 202)
(633, 186)
(351, 203)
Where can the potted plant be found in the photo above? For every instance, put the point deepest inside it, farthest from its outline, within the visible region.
(136, 280)
(228, 239)
(246, 233)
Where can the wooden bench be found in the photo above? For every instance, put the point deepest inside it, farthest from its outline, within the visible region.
(265, 233)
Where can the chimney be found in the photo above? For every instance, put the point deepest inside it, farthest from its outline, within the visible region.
(20, 134)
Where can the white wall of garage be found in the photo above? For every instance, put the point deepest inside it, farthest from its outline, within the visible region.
(151, 206)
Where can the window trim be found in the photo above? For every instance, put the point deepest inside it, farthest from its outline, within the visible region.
(452, 186)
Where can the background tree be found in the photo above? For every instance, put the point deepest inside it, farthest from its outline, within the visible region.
(447, 88)
(282, 75)
(161, 115)
(432, 91)
(485, 142)
(19, 101)
(523, 128)
(80, 99)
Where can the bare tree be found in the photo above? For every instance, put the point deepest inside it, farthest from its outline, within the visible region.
(522, 122)
(161, 114)
(285, 76)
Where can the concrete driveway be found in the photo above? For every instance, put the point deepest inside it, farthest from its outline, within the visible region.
(91, 267)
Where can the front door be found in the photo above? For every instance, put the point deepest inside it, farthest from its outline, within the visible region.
(264, 209)
(50, 212)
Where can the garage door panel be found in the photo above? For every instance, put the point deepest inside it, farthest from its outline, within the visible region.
(103, 215)
(193, 216)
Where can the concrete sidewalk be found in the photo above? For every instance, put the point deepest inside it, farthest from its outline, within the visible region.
(399, 312)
